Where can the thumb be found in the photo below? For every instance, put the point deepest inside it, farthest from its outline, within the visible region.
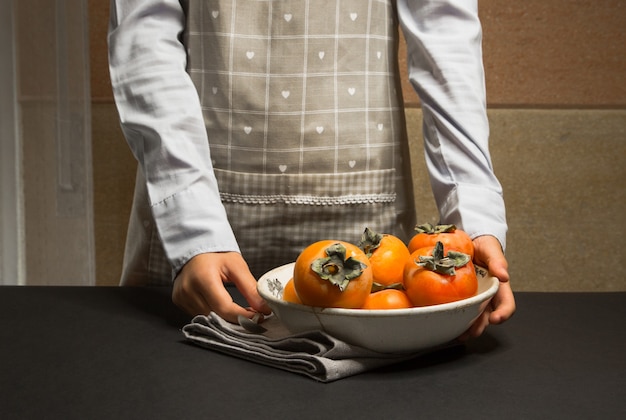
(488, 253)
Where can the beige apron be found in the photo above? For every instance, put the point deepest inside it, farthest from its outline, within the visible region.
(304, 115)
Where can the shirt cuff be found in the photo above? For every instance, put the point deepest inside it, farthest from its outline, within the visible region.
(191, 223)
(477, 211)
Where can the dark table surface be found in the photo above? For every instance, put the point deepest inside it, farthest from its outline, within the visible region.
(111, 352)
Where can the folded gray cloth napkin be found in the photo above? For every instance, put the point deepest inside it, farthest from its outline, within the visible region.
(314, 353)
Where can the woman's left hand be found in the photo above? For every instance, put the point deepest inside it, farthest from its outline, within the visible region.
(488, 254)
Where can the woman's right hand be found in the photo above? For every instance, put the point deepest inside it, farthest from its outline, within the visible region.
(199, 287)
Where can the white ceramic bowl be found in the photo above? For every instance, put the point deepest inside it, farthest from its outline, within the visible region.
(386, 331)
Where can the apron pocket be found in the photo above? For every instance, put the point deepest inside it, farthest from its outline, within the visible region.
(275, 216)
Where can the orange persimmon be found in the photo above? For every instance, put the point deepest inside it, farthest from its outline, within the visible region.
(332, 274)
(453, 239)
(433, 277)
(387, 255)
(387, 299)
(289, 292)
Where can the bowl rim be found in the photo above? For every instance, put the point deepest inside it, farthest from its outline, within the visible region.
(443, 307)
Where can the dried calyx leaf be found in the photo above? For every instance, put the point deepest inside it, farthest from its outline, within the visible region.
(430, 229)
(443, 264)
(370, 241)
(377, 287)
(336, 268)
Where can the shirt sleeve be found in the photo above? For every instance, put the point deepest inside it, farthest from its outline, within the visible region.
(444, 51)
(162, 121)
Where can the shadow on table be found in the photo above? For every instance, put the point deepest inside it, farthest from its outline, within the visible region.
(449, 355)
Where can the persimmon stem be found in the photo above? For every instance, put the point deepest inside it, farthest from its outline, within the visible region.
(370, 241)
(430, 229)
(443, 263)
(336, 268)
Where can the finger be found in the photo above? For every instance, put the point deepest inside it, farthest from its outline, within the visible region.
(504, 304)
(192, 303)
(239, 274)
(483, 322)
(488, 253)
(207, 295)
(478, 327)
(247, 285)
(499, 269)
(219, 300)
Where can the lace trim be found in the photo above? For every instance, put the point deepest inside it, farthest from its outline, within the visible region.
(308, 199)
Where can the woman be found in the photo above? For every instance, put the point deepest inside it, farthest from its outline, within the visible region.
(263, 126)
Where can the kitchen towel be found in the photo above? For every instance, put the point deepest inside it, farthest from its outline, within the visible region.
(315, 354)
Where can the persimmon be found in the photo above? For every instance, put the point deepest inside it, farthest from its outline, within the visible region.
(432, 277)
(387, 299)
(453, 239)
(289, 292)
(332, 274)
(387, 255)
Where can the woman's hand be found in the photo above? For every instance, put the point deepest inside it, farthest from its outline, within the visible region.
(199, 287)
(488, 254)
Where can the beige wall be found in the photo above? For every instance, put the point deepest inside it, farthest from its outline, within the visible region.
(557, 105)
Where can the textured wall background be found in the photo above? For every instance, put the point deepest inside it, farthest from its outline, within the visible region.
(557, 105)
